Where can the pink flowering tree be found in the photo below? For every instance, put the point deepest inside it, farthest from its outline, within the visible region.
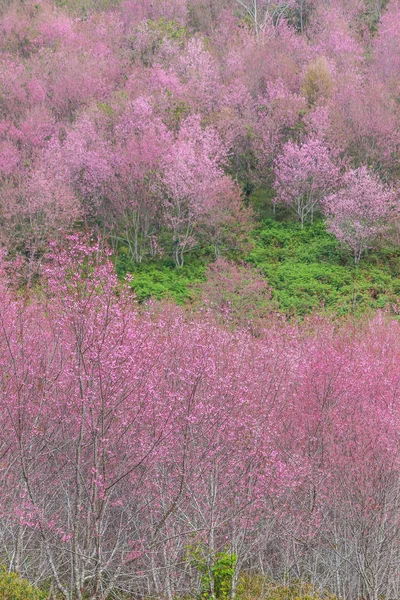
(360, 212)
(141, 141)
(366, 133)
(201, 78)
(125, 438)
(194, 184)
(237, 295)
(83, 160)
(386, 45)
(303, 175)
(40, 207)
(279, 112)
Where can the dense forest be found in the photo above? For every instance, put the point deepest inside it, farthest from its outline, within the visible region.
(199, 299)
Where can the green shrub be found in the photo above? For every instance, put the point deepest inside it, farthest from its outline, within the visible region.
(308, 270)
(161, 279)
(216, 572)
(170, 30)
(14, 587)
(257, 587)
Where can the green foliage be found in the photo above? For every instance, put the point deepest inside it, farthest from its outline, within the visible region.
(262, 205)
(14, 587)
(216, 572)
(372, 13)
(161, 278)
(309, 270)
(223, 569)
(170, 30)
(257, 587)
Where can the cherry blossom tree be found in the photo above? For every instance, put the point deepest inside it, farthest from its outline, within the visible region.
(365, 132)
(304, 173)
(98, 490)
(141, 142)
(361, 211)
(279, 112)
(39, 208)
(127, 437)
(83, 160)
(236, 295)
(200, 73)
(386, 54)
(194, 184)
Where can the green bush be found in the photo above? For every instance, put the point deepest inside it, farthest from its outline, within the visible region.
(308, 270)
(161, 279)
(170, 30)
(257, 587)
(216, 572)
(14, 587)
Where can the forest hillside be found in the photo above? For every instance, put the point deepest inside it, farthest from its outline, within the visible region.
(199, 299)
